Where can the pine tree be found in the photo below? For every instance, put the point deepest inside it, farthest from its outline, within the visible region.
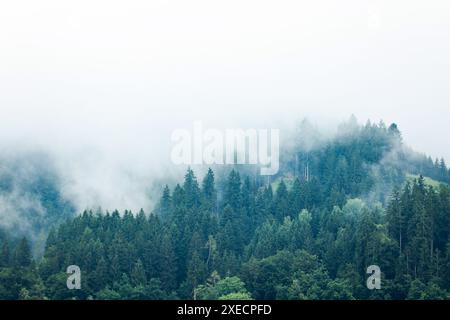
(233, 191)
(420, 231)
(22, 256)
(282, 207)
(442, 218)
(101, 275)
(303, 237)
(178, 197)
(248, 196)
(446, 275)
(191, 190)
(396, 220)
(166, 202)
(168, 263)
(209, 191)
(295, 197)
(394, 131)
(138, 274)
(4, 254)
(443, 173)
(230, 233)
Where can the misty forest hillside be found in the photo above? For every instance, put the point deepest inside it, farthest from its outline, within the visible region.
(338, 205)
(30, 197)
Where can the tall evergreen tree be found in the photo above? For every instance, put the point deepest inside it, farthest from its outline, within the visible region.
(233, 191)
(4, 254)
(22, 255)
(209, 191)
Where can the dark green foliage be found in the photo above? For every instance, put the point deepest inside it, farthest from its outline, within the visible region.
(230, 288)
(22, 255)
(308, 235)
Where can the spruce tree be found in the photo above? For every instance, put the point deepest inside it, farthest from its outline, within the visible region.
(4, 254)
(22, 256)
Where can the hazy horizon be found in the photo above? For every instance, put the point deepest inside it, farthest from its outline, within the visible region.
(110, 81)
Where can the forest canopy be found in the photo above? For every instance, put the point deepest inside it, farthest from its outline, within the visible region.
(365, 199)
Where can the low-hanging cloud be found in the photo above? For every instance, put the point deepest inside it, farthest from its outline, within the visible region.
(101, 86)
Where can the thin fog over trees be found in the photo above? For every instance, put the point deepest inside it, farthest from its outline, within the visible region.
(337, 206)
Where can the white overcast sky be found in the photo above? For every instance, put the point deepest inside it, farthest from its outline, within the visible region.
(119, 75)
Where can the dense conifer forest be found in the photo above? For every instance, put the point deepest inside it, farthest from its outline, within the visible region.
(335, 208)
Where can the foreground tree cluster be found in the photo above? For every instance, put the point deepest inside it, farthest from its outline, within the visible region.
(257, 244)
